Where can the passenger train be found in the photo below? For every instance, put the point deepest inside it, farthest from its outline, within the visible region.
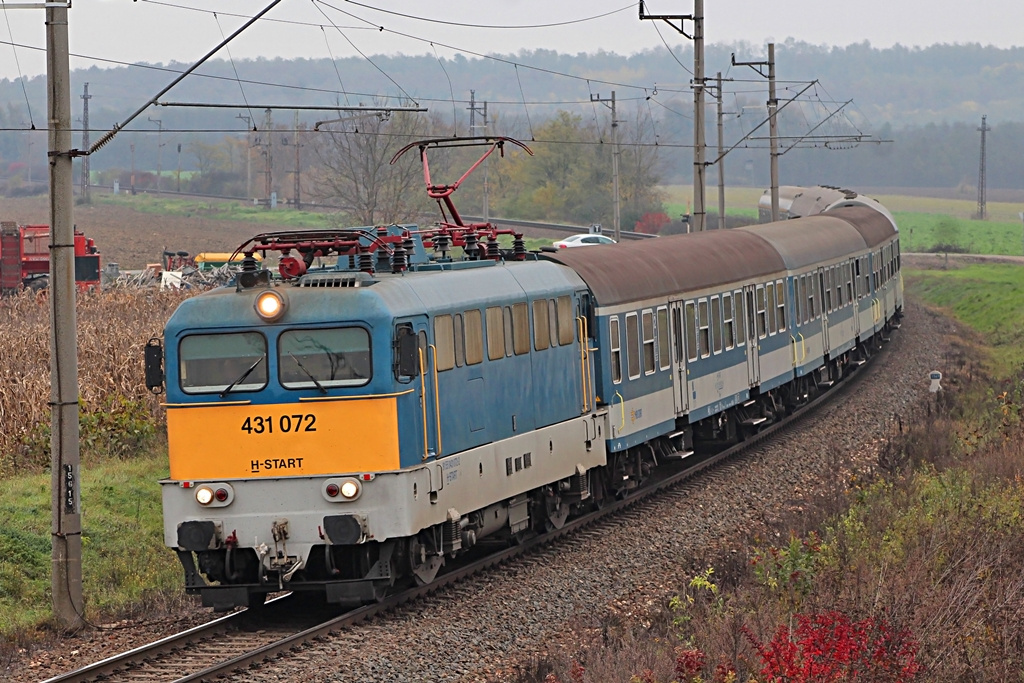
(396, 395)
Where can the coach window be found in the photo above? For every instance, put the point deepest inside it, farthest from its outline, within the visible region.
(773, 325)
(664, 359)
(856, 279)
(737, 298)
(762, 322)
(826, 286)
(716, 325)
(691, 331)
(495, 333)
(632, 345)
(838, 274)
(213, 362)
(444, 340)
(704, 325)
(780, 295)
(566, 321)
(541, 328)
(615, 343)
(335, 357)
(848, 279)
(648, 330)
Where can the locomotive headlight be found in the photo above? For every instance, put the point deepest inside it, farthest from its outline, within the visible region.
(270, 305)
(350, 489)
(204, 495)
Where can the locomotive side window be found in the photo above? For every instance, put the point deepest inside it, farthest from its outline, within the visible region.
(334, 357)
(474, 337)
(616, 345)
(762, 322)
(633, 345)
(727, 322)
(520, 328)
(496, 333)
(664, 359)
(705, 332)
(780, 293)
(770, 309)
(444, 340)
(210, 363)
(716, 325)
(648, 329)
(737, 298)
(541, 327)
(691, 331)
(552, 323)
(566, 321)
(460, 341)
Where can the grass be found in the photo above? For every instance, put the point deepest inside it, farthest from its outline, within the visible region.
(124, 562)
(986, 298)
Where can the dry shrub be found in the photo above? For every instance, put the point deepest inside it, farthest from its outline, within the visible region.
(113, 327)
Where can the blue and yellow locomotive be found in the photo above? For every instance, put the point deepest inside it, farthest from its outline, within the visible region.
(383, 405)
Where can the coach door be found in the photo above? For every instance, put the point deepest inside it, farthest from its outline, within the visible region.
(825, 288)
(750, 315)
(682, 391)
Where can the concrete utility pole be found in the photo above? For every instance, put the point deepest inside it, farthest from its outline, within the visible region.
(298, 168)
(473, 109)
(982, 207)
(179, 169)
(699, 167)
(773, 127)
(85, 145)
(268, 153)
(721, 155)
(248, 154)
(132, 146)
(66, 539)
(616, 223)
(159, 149)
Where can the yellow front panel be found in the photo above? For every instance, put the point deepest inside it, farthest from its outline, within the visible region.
(294, 439)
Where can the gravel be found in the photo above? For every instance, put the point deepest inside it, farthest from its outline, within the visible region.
(481, 629)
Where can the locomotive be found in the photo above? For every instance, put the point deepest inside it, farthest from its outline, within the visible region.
(399, 395)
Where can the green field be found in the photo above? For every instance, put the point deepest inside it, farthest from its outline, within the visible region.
(125, 565)
(985, 298)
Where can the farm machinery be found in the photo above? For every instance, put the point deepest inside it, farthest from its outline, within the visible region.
(25, 258)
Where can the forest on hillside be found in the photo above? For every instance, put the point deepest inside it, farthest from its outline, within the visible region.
(853, 116)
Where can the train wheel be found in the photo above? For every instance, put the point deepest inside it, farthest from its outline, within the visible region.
(423, 562)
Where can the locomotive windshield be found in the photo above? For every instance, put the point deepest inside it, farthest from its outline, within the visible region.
(214, 362)
(334, 357)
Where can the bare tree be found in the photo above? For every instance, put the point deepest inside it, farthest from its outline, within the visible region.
(355, 170)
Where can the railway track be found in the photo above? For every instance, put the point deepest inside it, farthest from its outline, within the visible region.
(240, 641)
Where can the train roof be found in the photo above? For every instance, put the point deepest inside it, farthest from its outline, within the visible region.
(633, 271)
(627, 272)
(826, 237)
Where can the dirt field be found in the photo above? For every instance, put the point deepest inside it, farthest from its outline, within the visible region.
(132, 239)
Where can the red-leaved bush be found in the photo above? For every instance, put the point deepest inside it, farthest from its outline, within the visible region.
(829, 647)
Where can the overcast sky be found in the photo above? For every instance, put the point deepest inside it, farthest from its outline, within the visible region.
(184, 30)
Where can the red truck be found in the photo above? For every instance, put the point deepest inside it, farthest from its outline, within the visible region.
(25, 258)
